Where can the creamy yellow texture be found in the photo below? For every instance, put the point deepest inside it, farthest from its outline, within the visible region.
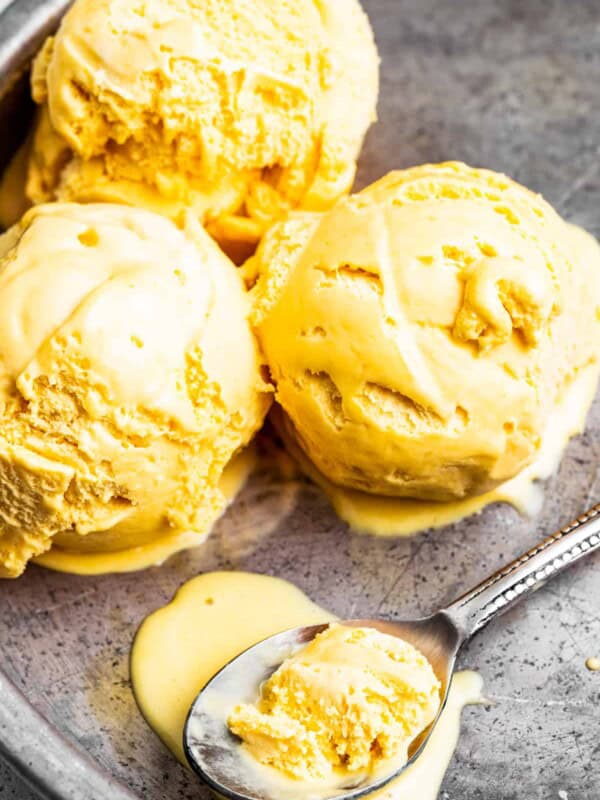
(106, 552)
(215, 617)
(403, 516)
(240, 109)
(364, 512)
(421, 333)
(350, 701)
(129, 377)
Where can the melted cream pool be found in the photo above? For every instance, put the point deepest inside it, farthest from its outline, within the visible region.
(215, 617)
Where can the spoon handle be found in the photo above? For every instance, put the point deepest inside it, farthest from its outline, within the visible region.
(526, 573)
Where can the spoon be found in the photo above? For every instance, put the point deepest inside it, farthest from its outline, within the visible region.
(216, 754)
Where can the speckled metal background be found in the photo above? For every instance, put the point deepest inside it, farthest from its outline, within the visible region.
(509, 84)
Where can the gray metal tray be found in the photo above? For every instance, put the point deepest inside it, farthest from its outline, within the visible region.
(508, 84)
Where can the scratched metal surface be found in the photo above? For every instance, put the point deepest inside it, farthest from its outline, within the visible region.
(514, 86)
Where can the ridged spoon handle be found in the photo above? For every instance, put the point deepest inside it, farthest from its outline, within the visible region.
(526, 573)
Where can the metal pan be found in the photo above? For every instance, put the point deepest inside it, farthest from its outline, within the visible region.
(500, 83)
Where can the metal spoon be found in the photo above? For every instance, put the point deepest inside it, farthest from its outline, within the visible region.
(216, 754)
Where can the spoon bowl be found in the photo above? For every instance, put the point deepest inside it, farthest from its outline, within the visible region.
(216, 754)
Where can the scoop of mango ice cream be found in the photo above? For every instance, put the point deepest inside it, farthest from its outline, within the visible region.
(240, 109)
(420, 333)
(129, 377)
(351, 700)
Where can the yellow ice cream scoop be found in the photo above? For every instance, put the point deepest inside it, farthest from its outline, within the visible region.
(240, 109)
(352, 699)
(129, 377)
(420, 333)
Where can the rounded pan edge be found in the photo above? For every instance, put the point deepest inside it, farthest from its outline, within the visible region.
(46, 761)
(24, 24)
